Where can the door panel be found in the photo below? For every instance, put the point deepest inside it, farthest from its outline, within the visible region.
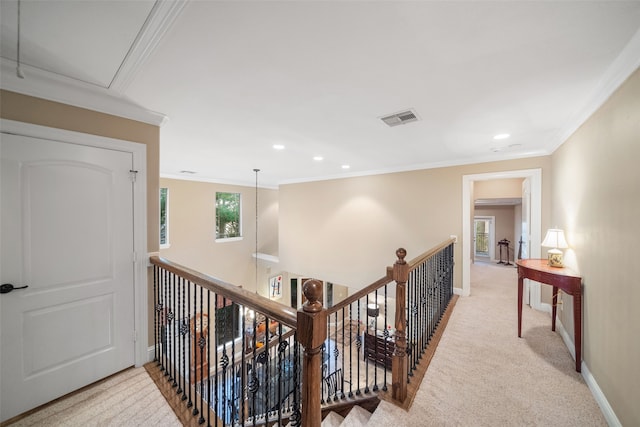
(90, 318)
(67, 233)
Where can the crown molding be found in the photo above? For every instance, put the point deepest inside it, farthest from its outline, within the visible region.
(162, 16)
(625, 64)
(55, 87)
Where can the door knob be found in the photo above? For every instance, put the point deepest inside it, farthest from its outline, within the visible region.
(5, 288)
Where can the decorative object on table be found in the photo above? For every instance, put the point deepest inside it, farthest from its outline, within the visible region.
(373, 311)
(555, 240)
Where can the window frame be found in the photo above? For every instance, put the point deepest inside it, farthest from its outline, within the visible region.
(166, 243)
(239, 213)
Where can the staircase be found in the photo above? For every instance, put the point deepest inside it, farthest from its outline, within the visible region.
(336, 362)
(358, 416)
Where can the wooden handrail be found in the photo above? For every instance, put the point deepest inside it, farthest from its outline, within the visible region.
(270, 344)
(361, 293)
(388, 278)
(421, 258)
(273, 310)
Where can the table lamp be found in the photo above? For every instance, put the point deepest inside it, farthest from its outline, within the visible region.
(373, 311)
(555, 239)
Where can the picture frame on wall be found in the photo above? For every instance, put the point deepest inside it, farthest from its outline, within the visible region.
(275, 287)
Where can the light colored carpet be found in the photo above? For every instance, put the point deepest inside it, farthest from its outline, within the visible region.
(482, 374)
(129, 398)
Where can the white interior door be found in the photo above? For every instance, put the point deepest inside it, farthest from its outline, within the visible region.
(66, 233)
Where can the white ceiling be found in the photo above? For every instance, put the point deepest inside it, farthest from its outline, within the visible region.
(235, 78)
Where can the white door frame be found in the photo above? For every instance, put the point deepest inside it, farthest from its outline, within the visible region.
(535, 175)
(139, 153)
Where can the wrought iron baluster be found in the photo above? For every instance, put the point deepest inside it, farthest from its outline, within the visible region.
(266, 364)
(234, 388)
(195, 350)
(243, 369)
(155, 314)
(253, 381)
(386, 336)
(280, 376)
(422, 299)
(375, 335)
(179, 337)
(219, 402)
(342, 396)
(206, 365)
(351, 350)
(164, 323)
(296, 415)
(359, 345)
(411, 312)
(172, 317)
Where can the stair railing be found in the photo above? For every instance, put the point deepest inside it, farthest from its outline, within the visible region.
(231, 357)
(377, 336)
(285, 365)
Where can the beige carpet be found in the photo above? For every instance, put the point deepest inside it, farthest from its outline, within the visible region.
(127, 399)
(482, 374)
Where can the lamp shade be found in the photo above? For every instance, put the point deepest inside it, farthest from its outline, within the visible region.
(373, 310)
(555, 239)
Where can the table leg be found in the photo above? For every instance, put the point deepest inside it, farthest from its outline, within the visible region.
(520, 286)
(577, 327)
(554, 308)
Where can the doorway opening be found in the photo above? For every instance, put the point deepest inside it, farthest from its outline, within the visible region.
(533, 178)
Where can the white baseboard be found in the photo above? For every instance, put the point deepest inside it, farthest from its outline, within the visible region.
(151, 353)
(459, 291)
(601, 400)
(545, 307)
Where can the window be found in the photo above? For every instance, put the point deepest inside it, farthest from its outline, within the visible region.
(164, 217)
(227, 323)
(228, 216)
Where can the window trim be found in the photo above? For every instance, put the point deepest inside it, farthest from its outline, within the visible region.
(215, 220)
(167, 243)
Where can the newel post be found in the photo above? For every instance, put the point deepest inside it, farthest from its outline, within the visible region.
(312, 331)
(399, 360)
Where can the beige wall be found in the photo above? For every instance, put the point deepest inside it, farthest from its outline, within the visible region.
(41, 112)
(346, 231)
(498, 188)
(192, 232)
(596, 200)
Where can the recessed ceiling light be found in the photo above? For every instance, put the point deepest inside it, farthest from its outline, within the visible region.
(345, 166)
(502, 136)
(318, 158)
(278, 147)
(188, 172)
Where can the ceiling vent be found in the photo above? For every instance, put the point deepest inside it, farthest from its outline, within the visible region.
(400, 118)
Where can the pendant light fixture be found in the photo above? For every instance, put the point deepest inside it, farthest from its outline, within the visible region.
(256, 254)
(19, 72)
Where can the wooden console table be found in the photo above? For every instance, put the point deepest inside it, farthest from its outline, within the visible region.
(560, 278)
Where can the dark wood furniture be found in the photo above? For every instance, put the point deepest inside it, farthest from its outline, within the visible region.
(560, 278)
(378, 349)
